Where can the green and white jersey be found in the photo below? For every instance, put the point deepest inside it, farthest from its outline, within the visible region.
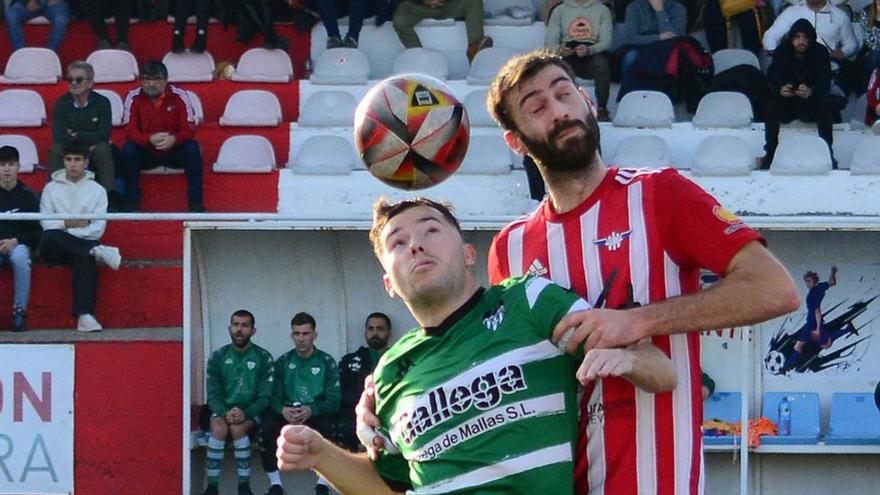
(485, 403)
(240, 378)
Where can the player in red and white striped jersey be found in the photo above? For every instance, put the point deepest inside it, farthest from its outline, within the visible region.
(624, 238)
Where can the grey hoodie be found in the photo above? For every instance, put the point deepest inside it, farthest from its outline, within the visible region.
(572, 21)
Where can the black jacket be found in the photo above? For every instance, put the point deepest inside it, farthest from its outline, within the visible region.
(20, 200)
(814, 69)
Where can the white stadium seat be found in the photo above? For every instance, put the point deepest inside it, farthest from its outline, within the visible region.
(21, 108)
(341, 66)
(478, 115)
(189, 67)
(423, 61)
(801, 155)
(723, 109)
(245, 154)
(325, 155)
(252, 107)
(642, 151)
(196, 103)
(731, 57)
(328, 108)
(509, 12)
(722, 156)
(262, 65)
(113, 66)
(487, 155)
(116, 108)
(32, 66)
(866, 157)
(644, 109)
(27, 150)
(487, 63)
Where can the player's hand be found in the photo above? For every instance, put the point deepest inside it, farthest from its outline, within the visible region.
(601, 363)
(298, 448)
(834, 269)
(598, 329)
(367, 421)
(582, 50)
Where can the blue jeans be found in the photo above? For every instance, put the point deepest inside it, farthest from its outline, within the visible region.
(58, 15)
(20, 259)
(329, 13)
(188, 156)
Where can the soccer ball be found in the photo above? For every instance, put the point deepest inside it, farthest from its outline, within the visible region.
(774, 362)
(411, 132)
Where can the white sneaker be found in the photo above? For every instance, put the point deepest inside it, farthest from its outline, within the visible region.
(88, 323)
(107, 255)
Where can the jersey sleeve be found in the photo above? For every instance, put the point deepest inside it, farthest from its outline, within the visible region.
(696, 230)
(548, 303)
(497, 264)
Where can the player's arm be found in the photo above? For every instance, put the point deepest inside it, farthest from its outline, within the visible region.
(642, 364)
(832, 279)
(300, 447)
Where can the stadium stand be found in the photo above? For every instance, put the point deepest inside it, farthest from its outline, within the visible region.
(801, 154)
(252, 108)
(487, 63)
(113, 66)
(644, 109)
(642, 151)
(261, 65)
(21, 108)
(487, 155)
(245, 154)
(325, 155)
(422, 61)
(116, 106)
(723, 109)
(723, 406)
(854, 419)
(341, 66)
(27, 151)
(328, 108)
(189, 67)
(865, 157)
(804, 417)
(31, 65)
(722, 155)
(478, 115)
(731, 57)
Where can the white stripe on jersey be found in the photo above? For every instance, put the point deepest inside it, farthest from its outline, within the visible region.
(510, 467)
(557, 255)
(596, 446)
(534, 288)
(515, 251)
(590, 255)
(126, 107)
(646, 441)
(190, 109)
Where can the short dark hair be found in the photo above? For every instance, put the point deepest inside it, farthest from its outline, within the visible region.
(379, 314)
(77, 148)
(155, 68)
(383, 211)
(512, 75)
(303, 318)
(244, 312)
(8, 154)
(813, 275)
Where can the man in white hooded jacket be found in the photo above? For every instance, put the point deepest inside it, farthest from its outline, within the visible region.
(75, 242)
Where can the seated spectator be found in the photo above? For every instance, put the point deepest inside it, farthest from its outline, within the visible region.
(182, 10)
(95, 11)
(715, 25)
(83, 115)
(160, 131)
(331, 11)
(19, 11)
(647, 22)
(411, 12)
(75, 242)
(580, 30)
(869, 57)
(256, 15)
(17, 237)
(239, 387)
(873, 109)
(800, 79)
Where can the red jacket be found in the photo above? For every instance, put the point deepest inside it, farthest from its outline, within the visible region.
(873, 97)
(172, 113)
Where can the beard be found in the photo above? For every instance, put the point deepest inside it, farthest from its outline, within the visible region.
(571, 155)
(377, 344)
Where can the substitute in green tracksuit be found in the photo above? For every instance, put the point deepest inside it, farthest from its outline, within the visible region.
(306, 391)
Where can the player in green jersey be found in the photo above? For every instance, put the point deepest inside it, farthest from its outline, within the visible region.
(239, 386)
(478, 399)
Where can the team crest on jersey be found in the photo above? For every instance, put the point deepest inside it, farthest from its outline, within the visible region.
(492, 320)
(228, 361)
(355, 364)
(537, 269)
(251, 365)
(613, 241)
(316, 370)
(291, 366)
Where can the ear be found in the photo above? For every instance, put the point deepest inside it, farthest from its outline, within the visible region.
(387, 281)
(514, 143)
(470, 255)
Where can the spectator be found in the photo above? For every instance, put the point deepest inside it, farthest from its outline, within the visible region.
(715, 25)
(17, 237)
(239, 387)
(160, 131)
(354, 368)
(411, 12)
(800, 78)
(83, 115)
(329, 12)
(95, 11)
(581, 31)
(19, 11)
(306, 392)
(256, 15)
(869, 18)
(873, 94)
(182, 10)
(75, 242)
(647, 23)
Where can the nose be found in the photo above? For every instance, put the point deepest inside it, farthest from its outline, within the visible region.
(559, 111)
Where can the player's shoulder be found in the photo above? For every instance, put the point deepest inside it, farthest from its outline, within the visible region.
(627, 176)
(260, 351)
(324, 356)
(531, 216)
(528, 287)
(220, 351)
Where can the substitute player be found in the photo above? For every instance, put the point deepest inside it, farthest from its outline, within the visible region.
(478, 399)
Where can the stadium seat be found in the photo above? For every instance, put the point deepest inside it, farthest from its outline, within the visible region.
(21, 108)
(801, 155)
(113, 66)
(478, 115)
(196, 103)
(723, 109)
(865, 157)
(854, 419)
(486, 155)
(116, 108)
(722, 155)
(731, 57)
(262, 65)
(722, 406)
(804, 417)
(642, 150)
(423, 61)
(487, 63)
(644, 109)
(325, 155)
(252, 107)
(245, 154)
(328, 108)
(341, 66)
(509, 12)
(27, 150)
(32, 66)
(189, 67)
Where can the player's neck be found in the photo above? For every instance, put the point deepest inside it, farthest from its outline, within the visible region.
(432, 311)
(567, 191)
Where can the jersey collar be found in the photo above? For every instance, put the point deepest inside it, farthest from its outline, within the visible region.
(456, 315)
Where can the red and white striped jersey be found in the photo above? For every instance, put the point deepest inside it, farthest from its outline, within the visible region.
(646, 234)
